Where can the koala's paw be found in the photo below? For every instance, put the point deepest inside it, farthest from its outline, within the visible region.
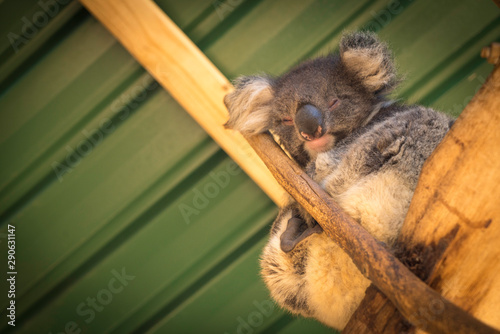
(298, 229)
(250, 105)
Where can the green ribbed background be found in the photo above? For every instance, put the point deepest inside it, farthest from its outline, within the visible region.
(102, 173)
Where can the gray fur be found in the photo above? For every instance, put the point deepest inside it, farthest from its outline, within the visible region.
(369, 161)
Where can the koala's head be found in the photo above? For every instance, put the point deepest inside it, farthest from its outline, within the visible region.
(319, 102)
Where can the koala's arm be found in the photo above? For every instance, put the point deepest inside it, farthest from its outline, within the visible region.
(316, 279)
(375, 176)
(401, 142)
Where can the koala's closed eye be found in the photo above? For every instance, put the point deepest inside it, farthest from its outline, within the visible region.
(287, 120)
(334, 103)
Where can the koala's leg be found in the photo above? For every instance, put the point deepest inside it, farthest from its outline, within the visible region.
(284, 273)
(379, 202)
(315, 279)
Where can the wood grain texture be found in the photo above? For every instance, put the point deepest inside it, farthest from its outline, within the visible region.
(182, 69)
(376, 315)
(451, 233)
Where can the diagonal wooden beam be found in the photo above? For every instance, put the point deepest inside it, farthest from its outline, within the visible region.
(199, 87)
(186, 73)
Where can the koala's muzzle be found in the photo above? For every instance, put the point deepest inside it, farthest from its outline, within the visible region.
(309, 121)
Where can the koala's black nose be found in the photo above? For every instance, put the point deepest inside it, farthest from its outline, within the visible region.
(309, 121)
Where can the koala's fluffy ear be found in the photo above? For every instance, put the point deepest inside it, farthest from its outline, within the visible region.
(370, 60)
(250, 105)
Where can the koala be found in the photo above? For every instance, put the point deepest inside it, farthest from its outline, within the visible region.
(332, 116)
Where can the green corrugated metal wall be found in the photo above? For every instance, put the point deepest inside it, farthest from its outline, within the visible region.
(127, 217)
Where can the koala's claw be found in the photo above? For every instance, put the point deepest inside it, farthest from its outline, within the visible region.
(296, 231)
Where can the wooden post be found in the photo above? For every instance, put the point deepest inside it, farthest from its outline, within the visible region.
(198, 86)
(451, 234)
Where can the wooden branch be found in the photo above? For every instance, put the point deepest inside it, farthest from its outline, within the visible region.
(197, 85)
(377, 315)
(182, 69)
(450, 236)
